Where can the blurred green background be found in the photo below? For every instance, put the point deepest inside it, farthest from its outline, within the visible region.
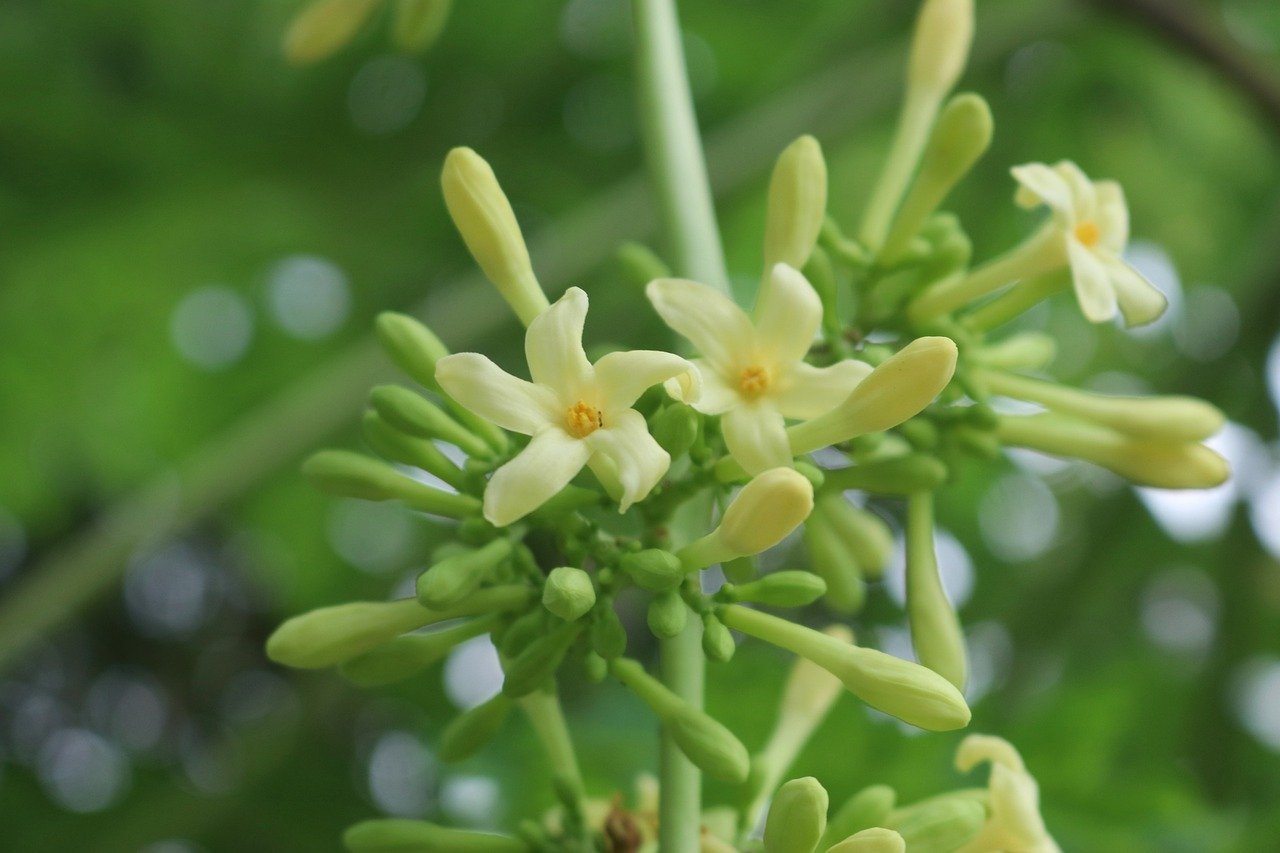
(195, 237)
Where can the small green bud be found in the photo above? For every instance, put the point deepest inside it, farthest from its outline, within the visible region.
(939, 825)
(834, 563)
(418, 23)
(920, 433)
(866, 809)
(473, 728)
(797, 204)
(596, 667)
(539, 661)
(675, 428)
(739, 569)
(409, 654)
(782, 589)
(797, 817)
(608, 637)
(654, 569)
(523, 631)
(901, 475)
(394, 445)
(667, 614)
(414, 414)
(874, 840)
(812, 473)
(717, 641)
(865, 535)
(352, 475)
(413, 347)
(568, 593)
(331, 635)
(397, 835)
(452, 579)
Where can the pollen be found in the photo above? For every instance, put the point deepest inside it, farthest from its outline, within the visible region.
(1088, 233)
(582, 419)
(753, 381)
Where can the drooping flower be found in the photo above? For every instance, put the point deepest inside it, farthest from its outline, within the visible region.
(577, 413)
(1093, 221)
(1014, 825)
(753, 371)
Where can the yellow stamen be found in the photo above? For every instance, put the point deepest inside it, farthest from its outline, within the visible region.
(582, 419)
(1088, 233)
(753, 382)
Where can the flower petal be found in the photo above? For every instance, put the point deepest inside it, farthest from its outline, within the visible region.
(1015, 808)
(717, 395)
(1092, 283)
(711, 321)
(1140, 301)
(1040, 184)
(1083, 196)
(756, 436)
(621, 377)
(553, 347)
(1112, 215)
(546, 466)
(640, 461)
(495, 395)
(788, 313)
(811, 391)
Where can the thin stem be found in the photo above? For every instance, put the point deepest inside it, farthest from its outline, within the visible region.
(919, 110)
(1014, 302)
(545, 715)
(1040, 253)
(673, 146)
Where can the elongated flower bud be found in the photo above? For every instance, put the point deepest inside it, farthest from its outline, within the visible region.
(940, 46)
(412, 413)
(398, 835)
(935, 628)
(769, 507)
(779, 589)
(797, 817)
(413, 347)
(717, 641)
(568, 593)
(418, 23)
(454, 578)
(898, 389)
(797, 204)
(473, 728)
(1021, 351)
(866, 535)
(392, 444)
(874, 840)
(939, 825)
(654, 569)
(901, 475)
(352, 475)
(539, 661)
(706, 742)
(484, 218)
(862, 812)
(409, 654)
(324, 27)
(897, 687)
(832, 559)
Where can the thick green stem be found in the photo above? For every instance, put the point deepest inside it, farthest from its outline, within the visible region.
(673, 146)
(680, 795)
(545, 715)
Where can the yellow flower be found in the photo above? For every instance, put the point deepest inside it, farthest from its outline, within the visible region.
(1014, 825)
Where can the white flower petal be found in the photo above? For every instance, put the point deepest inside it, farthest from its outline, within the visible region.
(788, 313)
(495, 395)
(553, 347)
(1015, 808)
(621, 377)
(1140, 301)
(640, 461)
(711, 321)
(1112, 216)
(546, 466)
(1083, 196)
(756, 436)
(811, 391)
(1040, 184)
(1092, 283)
(718, 396)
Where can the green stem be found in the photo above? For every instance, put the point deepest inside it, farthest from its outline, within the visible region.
(1014, 302)
(547, 718)
(680, 794)
(673, 146)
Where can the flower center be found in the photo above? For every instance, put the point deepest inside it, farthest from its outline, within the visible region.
(753, 381)
(1088, 233)
(582, 419)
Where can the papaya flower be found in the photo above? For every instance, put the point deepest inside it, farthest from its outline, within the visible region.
(1014, 824)
(577, 413)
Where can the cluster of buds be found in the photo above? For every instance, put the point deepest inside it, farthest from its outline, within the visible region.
(635, 472)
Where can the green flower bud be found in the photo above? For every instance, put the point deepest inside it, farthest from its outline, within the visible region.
(781, 589)
(835, 565)
(866, 809)
(1020, 351)
(901, 475)
(897, 687)
(397, 835)
(523, 631)
(797, 817)
(706, 742)
(667, 614)
(473, 728)
(409, 654)
(815, 475)
(717, 641)
(866, 535)
(414, 414)
(940, 44)
(539, 661)
(739, 569)
(675, 428)
(939, 825)
(488, 226)
(341, 472)
(797, 204)
(873, 840)
(654, 569)
(596, 667)
(324, 27)
(413, 347)
(394, 445)
(452, 579)
(568, 593)
(418, 23)
(935, 628)
(608, 637)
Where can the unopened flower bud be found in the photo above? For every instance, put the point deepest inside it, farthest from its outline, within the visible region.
(797, 204)
(877, 839)
(539, 660)
(667, 614)
(397, 835)
(940, 45)
(939, 825)
(717, 641)
(781, 589)
(352, 475)
(418, 23)
(833, 560)
(416, 415)
(862, 812)
(473, 728)
(935, 628)
(413, 347)
(769, 507)
(654, 569)
(866, 535)
(900, 475)
(568, 593)
(1020, 351)
(608, 636)
(484, 218)
(452, 579)
(331, 635)
(900, 388)
(675, 428)
(409, 654)
(797, 817)
(324, 27)
(396, 446)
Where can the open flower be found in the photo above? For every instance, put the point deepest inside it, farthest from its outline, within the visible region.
(1014, 825)
(1093, 221)
(753, 371)
(577, 413)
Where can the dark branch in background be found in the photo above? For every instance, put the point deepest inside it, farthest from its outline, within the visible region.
(1191, 31)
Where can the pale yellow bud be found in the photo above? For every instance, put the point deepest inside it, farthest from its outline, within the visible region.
(797, 204)
(940, 46)
(874, 840)
(898, 389)
(797, 817)
(418, 23)
(484, 218)
(324, 27)
(769, 507)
